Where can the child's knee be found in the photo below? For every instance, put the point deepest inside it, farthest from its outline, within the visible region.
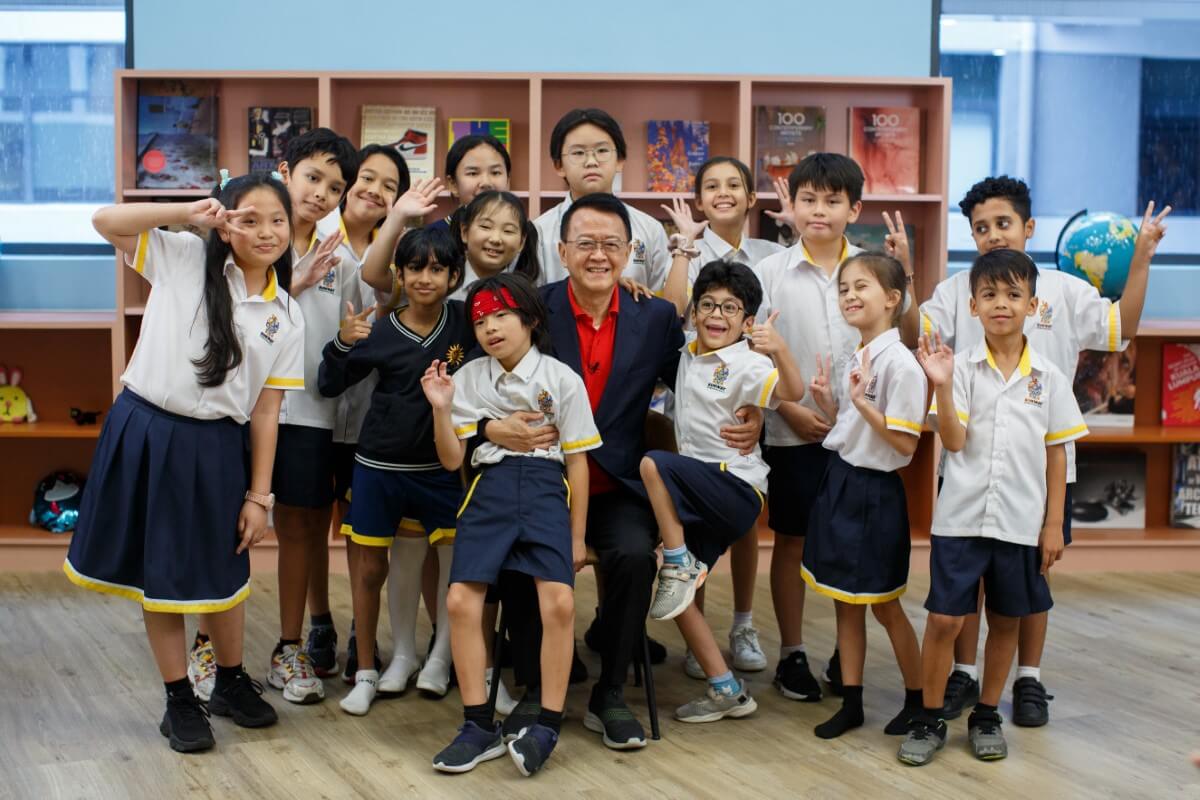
(943, 626)
(461, 604)
(888, 613)
(373, 568)
(557, 603)
(648, 469)
(1001, 623)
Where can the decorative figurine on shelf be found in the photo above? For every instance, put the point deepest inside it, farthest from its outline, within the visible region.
(82, 417)
(56, 502)
(15, 405)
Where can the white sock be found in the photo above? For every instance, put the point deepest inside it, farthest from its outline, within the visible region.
(743, 619)
(787, 649)
(971, 670)
(441, 642)
(358, 702)
(1029, 672)
(404, 594)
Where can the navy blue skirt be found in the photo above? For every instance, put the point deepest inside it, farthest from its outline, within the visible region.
(158, 517)
(857, 549)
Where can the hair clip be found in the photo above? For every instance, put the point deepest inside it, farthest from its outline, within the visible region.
(224, 173)
(275, 174)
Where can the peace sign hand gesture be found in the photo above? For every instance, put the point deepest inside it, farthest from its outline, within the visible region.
(821, 390)
(209, 214)
(681, 216)
(316, 265)
(896, 242)
(1151, 232)
(860, 379)
(355, 327)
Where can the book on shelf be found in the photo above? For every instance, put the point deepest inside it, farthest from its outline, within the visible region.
(271, 128)
(873, 237)
(675, 149)
(783, 136)
(1181, 384)
(1105, 386)
(886, 143)
(500, 129)
(411, 130)
(1185, 488)
(1110, 489)
(176, 135)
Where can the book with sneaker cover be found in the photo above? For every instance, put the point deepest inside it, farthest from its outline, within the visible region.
(411, 130)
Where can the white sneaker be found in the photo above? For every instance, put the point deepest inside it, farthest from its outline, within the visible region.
(358, 702)
(434, 678)
(202, 670)
(399, 672)
(748, 655)
(677, 585)
(692, 668)
(292, 672)
(504, 701)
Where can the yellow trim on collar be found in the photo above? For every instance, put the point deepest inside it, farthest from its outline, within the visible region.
(272, 290)
(1023, 365)
(842, 256)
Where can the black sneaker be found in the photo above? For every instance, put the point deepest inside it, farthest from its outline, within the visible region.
(985, 735)
(795, 680)
(833, 674)
(925, 737)
(470, 748)
(532, 748)
(322, 650)
(1031, 704)
(185, 724)
(962, 691)
(242, 700)
(608, 715)
(524, 715)
(352, 658)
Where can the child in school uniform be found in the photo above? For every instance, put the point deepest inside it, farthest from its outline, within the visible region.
(724, 195)
(1072, 317)
(474, 164)
(521, 512)
(826, 196)
(857, 548)
(397, 476)
(497, 236)
(707, 496)
(174, 498)
(1004, 413)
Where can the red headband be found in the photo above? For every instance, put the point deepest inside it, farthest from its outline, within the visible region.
(488, 302)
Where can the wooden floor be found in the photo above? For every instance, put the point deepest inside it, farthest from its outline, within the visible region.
(80, 702)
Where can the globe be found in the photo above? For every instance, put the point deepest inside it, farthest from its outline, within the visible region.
(1098, 248)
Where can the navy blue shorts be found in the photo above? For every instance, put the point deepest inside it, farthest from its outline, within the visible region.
(715, 507)
(1012, 583)
(516, 516)
(383, 500)
(159, 513)
(792, 486)
(303, 472)
(857, 548)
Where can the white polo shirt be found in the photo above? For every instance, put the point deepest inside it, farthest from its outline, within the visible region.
(648, 263)
(1071, 317)
(482, 389)
(713, 248)
(709, 389)
(270, 328)
(897, 388)
(810, 321)
(995, 486)
(470, 276)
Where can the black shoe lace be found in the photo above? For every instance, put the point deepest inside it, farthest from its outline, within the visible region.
(243, 685)
(919, 729)
(988, 723)
(190, 708)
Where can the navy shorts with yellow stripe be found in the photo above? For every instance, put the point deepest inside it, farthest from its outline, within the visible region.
(715, 507)
(516, 516)
(381, 500)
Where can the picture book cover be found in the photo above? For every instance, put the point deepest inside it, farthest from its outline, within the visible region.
(1110, 490)
(1105, 386)
(270, 131)
(675, 149)
(783, 135)
(411, 130)
(1181, 384)
(176, 135)
(501, 129)
(1185, 489)
(886, 143)
(870, 236)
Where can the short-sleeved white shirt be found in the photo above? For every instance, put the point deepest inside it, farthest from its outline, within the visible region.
(897, 388)
(709, 389)
(648, 263)
(484, 390)
(810, 321)
(270, 328)
(470, 276)
(713, 248)
(1071, 317)
(995, 487)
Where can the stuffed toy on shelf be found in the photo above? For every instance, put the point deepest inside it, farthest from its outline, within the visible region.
(15, 405)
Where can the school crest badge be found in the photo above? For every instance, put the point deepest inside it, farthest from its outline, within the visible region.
(639, 251)
(329, 282)
(545, 402)
(872, 389)
(1045, 316)
(1033, 394)
(270, 329)
(454, 356)
(720, 376)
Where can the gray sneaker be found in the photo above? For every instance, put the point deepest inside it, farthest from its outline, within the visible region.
(925, 737)
(677, 585)
(985, 736)
(717, 705)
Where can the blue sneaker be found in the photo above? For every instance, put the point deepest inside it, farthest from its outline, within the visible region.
(532, 748)
(470, 748)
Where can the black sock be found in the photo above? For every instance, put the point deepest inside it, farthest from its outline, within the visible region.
(551, 719)
(179, 690)
(913, 703)
(848, 717)
(481, 715)
(284, 642)
(932, 715)
(227, 676)
(201, 638)
(322, 620)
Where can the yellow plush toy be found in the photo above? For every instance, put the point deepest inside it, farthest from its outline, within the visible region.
(15, 405)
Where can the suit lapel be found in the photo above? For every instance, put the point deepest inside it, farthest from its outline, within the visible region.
(562, 330)
(626, 346)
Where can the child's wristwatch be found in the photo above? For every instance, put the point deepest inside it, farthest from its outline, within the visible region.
(267, 501)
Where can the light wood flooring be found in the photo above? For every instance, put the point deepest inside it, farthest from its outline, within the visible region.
(80, 702)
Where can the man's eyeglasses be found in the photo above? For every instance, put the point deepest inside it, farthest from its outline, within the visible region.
(611, 247)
